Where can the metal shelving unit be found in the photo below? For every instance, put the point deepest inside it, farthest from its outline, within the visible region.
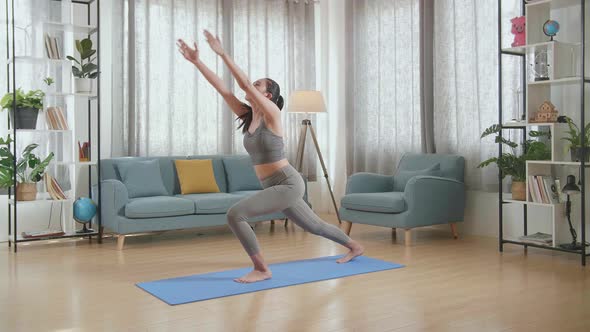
(561, 81)
(13, 62)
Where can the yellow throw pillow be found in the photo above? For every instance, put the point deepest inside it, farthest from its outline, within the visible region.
(196, 176)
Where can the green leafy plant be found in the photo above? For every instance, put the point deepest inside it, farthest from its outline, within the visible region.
(575, 138)
(31, 99)
(49, 81)
(29, 168)
(85, 67)
(512, 164)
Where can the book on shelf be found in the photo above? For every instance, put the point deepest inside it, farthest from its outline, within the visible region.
(54, 189)
(551, 189)
(48, 46)
(560, 194)
(544, 189)
(46, 233)
(541, 186)
(84, 151)
(535, 189)
(52, 47)
(539, 238)
(56, 119)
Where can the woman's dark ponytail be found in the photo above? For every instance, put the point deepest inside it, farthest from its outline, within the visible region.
(274, 89)
(246, 119)
(280, 102)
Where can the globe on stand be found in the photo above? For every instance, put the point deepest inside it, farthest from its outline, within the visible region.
(551, 28)
(84, 211)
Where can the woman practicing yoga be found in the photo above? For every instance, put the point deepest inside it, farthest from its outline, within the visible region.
(263, 139)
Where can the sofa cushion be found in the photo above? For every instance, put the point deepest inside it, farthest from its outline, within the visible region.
(134, 175)
(159, 206)
(240, 174)
(218, 169)
(212, 203)
(402, 177)
(388, 202)
(196, 176)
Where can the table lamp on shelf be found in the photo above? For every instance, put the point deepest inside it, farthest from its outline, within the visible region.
(571, 188)
(309, 102)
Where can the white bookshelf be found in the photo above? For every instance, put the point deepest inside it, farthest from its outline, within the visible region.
(563, 88)
(81, 110)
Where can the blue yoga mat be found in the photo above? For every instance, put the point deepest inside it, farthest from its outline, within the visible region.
(207, 286)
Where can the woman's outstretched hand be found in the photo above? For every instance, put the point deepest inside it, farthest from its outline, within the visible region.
(190, 54)
(214, 42)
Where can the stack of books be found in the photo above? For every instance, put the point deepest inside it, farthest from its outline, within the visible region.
(56, 119)
(544, 189)
(53, 188)
(51, 47)
(541, 239)
(84, 151)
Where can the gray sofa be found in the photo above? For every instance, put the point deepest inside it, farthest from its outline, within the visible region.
(123, 215)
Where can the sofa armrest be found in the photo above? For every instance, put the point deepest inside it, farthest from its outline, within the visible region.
(113, 198)
(433, 199)
(369, 183)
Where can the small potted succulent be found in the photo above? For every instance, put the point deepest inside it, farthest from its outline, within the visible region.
(514, 165)
(579, 146)
(29, 170)
(84, 70)
(27, 107)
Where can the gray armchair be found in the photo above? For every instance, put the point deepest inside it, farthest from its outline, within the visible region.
(427, 189)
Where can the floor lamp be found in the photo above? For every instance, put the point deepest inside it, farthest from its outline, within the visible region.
(310, 102)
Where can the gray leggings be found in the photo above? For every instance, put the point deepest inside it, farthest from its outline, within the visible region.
(283, 191)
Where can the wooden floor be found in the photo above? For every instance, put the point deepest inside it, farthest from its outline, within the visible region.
(447, 285)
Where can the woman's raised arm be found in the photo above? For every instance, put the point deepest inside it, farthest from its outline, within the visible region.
(264, 104)
(192, 55)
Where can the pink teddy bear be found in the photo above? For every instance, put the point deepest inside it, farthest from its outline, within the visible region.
(518, 29)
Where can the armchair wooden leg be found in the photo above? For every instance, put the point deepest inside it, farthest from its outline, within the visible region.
(454, 230)
(408, 237)
(272, 222)
(286, 221)
(120, 241)
(393, 233)
(347, 227)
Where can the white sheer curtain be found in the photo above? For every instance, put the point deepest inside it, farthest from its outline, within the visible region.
(466, 81)
(384, 119)
(167, 107)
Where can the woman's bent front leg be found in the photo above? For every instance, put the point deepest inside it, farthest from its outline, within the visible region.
(264, 202)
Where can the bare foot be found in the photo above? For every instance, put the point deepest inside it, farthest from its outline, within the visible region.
(254, 276)
(355, 250)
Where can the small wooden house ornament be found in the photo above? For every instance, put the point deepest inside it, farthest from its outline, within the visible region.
(546, 113)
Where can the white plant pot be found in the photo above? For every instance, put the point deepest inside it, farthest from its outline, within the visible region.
(83, 85)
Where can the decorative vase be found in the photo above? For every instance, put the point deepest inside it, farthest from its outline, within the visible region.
(518, 190)
(24, 117)
(83, 85)
(578, 153)
(26, 191)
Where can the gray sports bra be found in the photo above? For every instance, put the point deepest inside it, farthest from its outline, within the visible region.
(263, 146)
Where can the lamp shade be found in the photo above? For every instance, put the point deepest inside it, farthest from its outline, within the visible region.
(571, 188)
(306, 102)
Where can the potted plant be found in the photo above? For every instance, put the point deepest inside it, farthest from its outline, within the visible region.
(84, 70)
(513, 165)
(29, 170)
(578, 145)
(27, 107)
